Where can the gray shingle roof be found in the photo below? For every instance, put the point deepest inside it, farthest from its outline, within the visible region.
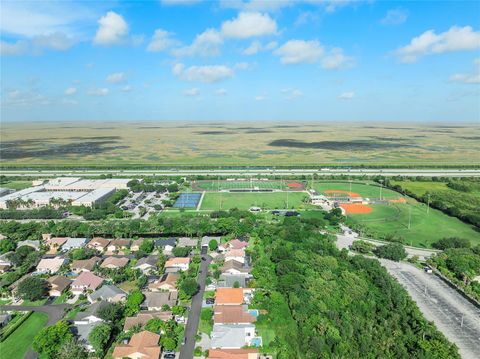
(106, 292)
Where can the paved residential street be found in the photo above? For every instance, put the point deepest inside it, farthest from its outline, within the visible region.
(194, 314)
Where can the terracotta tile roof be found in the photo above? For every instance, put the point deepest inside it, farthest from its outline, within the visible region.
(233, 354)
(143, 317)
(56, 241)
(169, 279)
(235, 253)
(233, 264)
(87, 279)
(118, 262)
(232, 314)
(176, 261)
(229, 296)
(237, 244)
(87, 264)
(98, 242)
(143, 344)
(120, 242)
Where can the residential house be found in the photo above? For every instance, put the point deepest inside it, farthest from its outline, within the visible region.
(147, 264)
(232, 336)
(108, 293)
(84, 265)
(135, 247)
(233, 354)
(86, 281)
(156, 300)
(142, 345)
(90, 315)
(232, 314)
(117, 245)
(58, 283)
(234, 267)
(187, 242)
(236, 255)
(50, 265)
(82, 331)
(207, 239)
(236, 244)
(166, 283)
(180, 263)
(114, 262)
(166, 245)
(55, 243)
(34, 244)
(234, 280)
(143, 317)
(229, 296)
(98, 243)
(74, 243)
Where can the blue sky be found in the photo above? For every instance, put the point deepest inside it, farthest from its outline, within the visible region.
(240, 60)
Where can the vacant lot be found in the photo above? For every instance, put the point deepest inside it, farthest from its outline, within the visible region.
(425, 228)
(248, 144)
(18, 343)
(276, 200)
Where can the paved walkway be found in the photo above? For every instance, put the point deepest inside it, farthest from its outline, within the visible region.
(194, 316)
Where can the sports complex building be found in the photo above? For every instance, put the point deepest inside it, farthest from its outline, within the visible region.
(73, 190)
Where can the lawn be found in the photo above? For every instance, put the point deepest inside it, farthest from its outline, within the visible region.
(205, 326)
(35, 303)
(420, 188)
(424, 229)
(367, 189)
(17, 185)
(17, 344)
(275, 200)
(266, 332)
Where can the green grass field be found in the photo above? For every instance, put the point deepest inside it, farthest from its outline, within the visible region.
(424, 229)
(227, 185)
(367, 189)
(420, 188)
(17, 185)
(275, 200)
(18, 343)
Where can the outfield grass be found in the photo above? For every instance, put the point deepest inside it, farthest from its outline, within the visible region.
(18, 343)
(424, 229)
(367, 189)
(275, 200)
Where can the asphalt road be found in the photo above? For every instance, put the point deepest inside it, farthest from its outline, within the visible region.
(453, 315)
(194, 315)
(251, 172)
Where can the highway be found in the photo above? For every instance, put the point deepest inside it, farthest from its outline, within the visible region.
(247, 172)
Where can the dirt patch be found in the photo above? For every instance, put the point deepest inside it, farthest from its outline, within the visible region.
(338, 193)
(356, 208)
(296, 185)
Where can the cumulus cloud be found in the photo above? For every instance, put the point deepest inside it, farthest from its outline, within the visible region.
(207, 43)
(116, 77)
(471, 78)
(291, 94)
(299, 51)
(221, 92)
(161, 40)
(192, 92)
(253, 48)
(24, 98)
(395, 17)
(208, 74)
(99, 92)
(430, 43)
(71, 91)
(249, 24)
(19, 47)
(112, 29)
(336, 59)
(347, 95)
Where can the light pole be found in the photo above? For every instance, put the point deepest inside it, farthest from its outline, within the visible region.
(409, 216)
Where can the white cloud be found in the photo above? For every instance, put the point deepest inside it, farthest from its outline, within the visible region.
(221, 92)
(209, 73)
(472, 78)
(256, 5)
(71, 91)
(254, 47)
(24, 98)
(126, 88)
(242, 66)
(112, 29)
(192, 92)
(395, 17)
(19, 47)
(347, 95)
(116, 77)
(161, 40)
(299, 51)
(271, 45)
(249, 24)
(179, 2)
(260, 98)
(291, 94)
(207, 43)
(56, 41)
(335, 59)
(100, 92)
(429, 43)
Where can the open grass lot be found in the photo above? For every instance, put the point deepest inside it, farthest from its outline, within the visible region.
(16, 185)
(234, 143)
(425, 228)
(366, 190)
(420, 188)
(18, 343)
(275, 200)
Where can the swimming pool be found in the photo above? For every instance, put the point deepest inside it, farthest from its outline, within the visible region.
(256, 342)
(253, 312)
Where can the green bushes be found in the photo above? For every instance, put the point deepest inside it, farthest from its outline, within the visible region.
(11, 328)
(392, 251)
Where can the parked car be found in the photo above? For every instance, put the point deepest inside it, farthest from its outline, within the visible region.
(427, 269)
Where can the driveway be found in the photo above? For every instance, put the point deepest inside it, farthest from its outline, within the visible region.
(194, 316)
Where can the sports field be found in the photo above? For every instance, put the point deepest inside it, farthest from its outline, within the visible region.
(247, 185)
(368, 189)
(424, 229)
(273, 200)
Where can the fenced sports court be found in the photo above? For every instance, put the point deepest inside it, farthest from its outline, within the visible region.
(187, 200)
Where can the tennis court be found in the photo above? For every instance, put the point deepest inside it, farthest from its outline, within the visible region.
(187, 200)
